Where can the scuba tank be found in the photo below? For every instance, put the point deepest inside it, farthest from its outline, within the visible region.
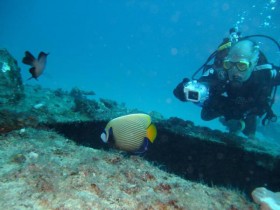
(219, 54)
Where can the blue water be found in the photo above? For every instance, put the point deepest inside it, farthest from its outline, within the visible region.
(130, 51)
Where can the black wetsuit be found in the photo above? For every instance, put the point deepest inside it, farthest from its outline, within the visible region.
(245, 102)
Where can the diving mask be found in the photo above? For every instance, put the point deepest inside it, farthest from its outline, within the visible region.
(241, 65)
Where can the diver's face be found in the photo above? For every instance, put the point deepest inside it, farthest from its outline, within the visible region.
(239, 67)
(238, 70)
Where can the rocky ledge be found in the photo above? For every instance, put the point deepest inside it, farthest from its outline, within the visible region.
(41, 164)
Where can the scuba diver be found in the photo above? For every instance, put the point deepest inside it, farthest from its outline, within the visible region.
(238, 87)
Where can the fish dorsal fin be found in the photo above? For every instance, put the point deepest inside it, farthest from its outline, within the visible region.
(152, 132)
(28, 59)
(42, 54)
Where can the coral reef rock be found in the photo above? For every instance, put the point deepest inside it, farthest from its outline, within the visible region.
(52, 156)
(10, 79)
(43, 170)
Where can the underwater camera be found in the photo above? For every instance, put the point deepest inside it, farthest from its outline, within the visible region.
(196, 92)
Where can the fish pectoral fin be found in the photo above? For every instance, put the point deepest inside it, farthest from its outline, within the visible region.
(143, 148)
(28, 59)
(151, 132)
(32, 71)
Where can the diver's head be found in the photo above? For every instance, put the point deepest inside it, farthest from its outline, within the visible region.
(241, 61)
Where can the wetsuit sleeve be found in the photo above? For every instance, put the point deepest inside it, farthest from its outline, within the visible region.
(210, 79)
(179, 90)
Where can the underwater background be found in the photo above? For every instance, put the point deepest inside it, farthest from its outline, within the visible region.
(133, 52)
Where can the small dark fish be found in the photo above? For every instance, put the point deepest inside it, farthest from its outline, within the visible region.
(38, 65)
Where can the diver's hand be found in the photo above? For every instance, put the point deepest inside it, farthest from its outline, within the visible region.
(179, 90)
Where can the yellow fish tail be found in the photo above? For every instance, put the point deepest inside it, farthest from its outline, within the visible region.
(152, 132)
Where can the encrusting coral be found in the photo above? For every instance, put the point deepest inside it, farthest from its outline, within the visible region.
(42, 170)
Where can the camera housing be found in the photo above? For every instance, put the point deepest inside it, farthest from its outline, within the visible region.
(192, 95)
(196, 92)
